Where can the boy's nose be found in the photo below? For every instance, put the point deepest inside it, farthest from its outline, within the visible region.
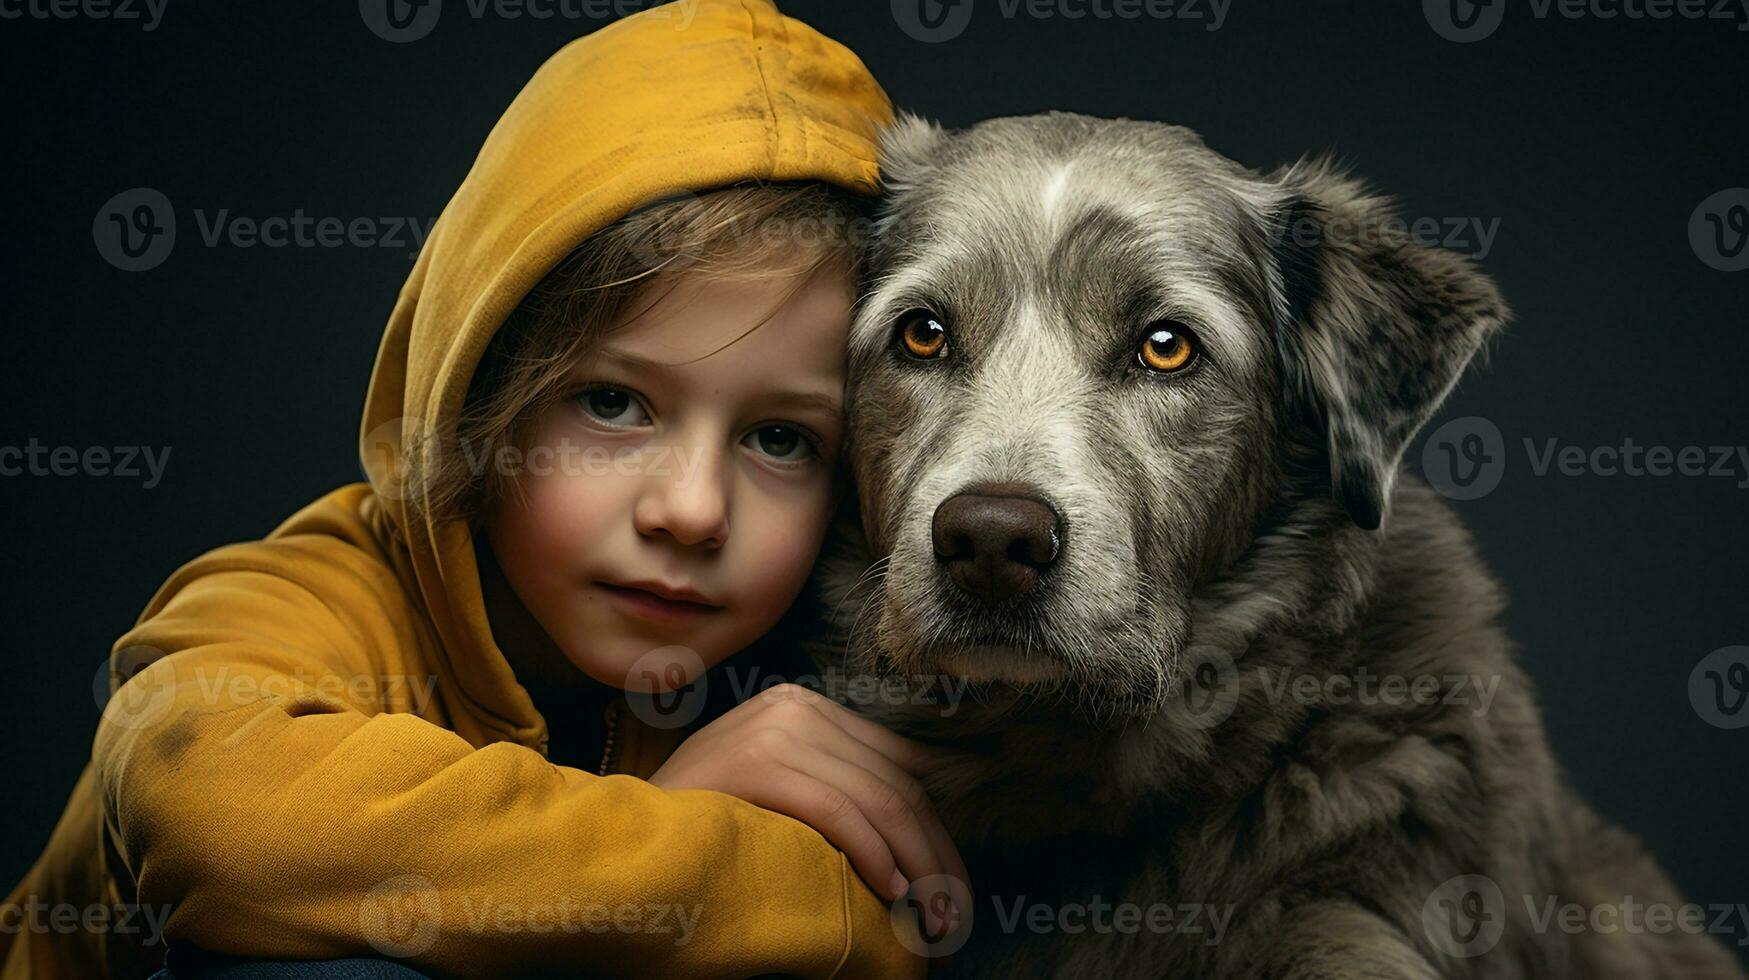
(688, 503)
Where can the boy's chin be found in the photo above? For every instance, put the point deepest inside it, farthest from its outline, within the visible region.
(635, 664)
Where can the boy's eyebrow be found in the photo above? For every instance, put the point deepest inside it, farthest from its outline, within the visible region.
(825, 403)
(830, 404)
(633, 360)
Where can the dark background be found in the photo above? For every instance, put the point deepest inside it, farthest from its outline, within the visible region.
(1591, 141)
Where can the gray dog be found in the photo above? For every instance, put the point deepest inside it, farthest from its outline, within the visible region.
(1127, 425)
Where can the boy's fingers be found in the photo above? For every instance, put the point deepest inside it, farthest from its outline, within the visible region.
(852, 751)
(912, 756)
(840, 820)
(885, 806)
(820, 721)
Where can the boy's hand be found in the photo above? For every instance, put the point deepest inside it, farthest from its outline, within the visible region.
(799, 753)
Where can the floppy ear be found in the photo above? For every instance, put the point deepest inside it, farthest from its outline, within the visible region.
(1373, 329)
(906, 148)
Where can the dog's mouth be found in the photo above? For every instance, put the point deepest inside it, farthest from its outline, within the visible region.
(999, 662)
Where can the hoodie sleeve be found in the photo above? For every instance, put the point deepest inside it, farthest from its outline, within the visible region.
(266, 774)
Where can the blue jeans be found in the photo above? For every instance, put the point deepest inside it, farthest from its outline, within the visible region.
(188, 963)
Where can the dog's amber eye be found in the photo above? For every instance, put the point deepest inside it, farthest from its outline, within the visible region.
(921, 335)
(1167, 348)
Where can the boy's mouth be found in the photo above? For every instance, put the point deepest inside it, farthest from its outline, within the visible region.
(654, 600)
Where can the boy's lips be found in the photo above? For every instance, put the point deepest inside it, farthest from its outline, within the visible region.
(655, 600)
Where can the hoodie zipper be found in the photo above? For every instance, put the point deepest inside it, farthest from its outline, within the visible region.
(612, 743)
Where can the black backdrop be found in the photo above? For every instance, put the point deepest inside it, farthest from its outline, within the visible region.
(1581, 147)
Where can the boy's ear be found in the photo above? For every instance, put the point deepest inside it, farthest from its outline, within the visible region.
(1373, 329)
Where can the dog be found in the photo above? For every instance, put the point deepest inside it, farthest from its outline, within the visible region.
(1127, 422)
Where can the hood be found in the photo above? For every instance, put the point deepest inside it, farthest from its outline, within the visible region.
(683, 97)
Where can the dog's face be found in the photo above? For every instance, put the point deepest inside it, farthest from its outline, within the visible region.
(1094, 360)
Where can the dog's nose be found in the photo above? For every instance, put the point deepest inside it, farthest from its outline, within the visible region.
(995, 546)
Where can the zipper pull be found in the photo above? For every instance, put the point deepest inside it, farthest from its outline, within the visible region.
(608, 748)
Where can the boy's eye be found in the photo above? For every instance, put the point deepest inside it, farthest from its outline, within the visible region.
(782, 442)
(614, 406)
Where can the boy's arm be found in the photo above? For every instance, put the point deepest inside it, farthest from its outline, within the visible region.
(248, 783)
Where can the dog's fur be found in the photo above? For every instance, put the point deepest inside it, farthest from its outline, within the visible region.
(1225, 532)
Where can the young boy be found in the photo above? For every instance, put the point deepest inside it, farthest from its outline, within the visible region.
(603, 441)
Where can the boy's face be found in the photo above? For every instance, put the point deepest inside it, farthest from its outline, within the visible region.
(660, 471)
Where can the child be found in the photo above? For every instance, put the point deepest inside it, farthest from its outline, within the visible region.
(603, 443)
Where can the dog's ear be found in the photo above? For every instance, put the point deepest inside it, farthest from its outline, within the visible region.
(906, 150)
(1373, 328)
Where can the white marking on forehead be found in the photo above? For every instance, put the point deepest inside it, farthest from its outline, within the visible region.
(1055, 184)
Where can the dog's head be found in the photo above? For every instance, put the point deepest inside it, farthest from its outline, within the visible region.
(1094, 362)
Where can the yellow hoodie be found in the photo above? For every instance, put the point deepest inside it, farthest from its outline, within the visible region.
(323, 752)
